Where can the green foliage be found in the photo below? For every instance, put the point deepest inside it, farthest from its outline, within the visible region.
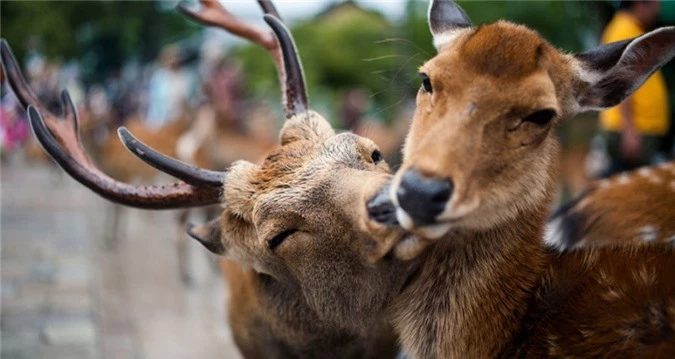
(104, 33)
(341, 49)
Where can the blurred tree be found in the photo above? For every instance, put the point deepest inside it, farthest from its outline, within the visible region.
(341, 48)
(102, 33)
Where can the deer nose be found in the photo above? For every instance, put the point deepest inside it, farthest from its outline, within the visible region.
(423, 198)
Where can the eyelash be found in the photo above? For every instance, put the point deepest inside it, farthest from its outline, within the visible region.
(280, 238)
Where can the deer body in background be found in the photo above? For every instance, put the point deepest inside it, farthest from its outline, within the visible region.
(636, 207)
(305, 288)
(477, 180)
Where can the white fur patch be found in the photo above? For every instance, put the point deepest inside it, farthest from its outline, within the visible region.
(648, 233)
(434, 231)
(553, 234)
(446, 38)
(586, 75)
(624, 178)
(404, 219)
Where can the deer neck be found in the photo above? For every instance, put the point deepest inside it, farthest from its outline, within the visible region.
(473, 291)
(281, 324)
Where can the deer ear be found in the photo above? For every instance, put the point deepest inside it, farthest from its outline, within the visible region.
(308, 126)
(446, 19)
(614, 71)
(209, 235)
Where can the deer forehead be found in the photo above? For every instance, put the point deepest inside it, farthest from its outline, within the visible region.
(302, 174)
(502, 50)
(496, 67)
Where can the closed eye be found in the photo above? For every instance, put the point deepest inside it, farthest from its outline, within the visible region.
(279, 238)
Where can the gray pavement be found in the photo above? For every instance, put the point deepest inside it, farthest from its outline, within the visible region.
(63, 295)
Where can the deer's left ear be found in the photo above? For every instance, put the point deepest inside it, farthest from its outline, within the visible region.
(446, 19)
(209, 235)
(614, 71)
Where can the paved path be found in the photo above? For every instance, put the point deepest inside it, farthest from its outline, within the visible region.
(65, 296)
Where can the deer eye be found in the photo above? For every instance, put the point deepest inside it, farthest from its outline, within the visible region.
(376, 156)
(279, 238)
(426, 83)
(540, 117)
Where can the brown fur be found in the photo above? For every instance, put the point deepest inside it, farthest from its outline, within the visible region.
(316, 293)
(486, 285)
(628, 208)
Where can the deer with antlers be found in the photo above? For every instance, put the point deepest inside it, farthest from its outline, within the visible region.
(477, 179)
(636, 207)
(295, 220)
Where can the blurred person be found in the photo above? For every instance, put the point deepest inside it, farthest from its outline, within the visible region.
(34, 62)
(13, 123)
(632, 132)
(70, 80)
(169, 89)
(224, 119)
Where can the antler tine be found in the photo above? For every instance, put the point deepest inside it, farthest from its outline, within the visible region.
(60, 140)
(269, 8)
(16, 79)
(295, 90)
(292, 83)
(25, 94)
(212, 13)
(176, 195)
(181, 170)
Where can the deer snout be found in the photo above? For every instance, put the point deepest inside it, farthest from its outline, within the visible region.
(423, 198)
(380, 208)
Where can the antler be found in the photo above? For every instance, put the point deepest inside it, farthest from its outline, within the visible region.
(293, 90)
(60, 138)
(201, 187)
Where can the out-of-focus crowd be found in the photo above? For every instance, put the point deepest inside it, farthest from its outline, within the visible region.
(155, 93)
(195, 110)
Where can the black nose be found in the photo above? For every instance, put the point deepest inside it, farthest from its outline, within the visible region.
(423, 198)
(381, 209)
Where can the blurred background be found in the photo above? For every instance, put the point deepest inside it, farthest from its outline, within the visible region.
(82, 278)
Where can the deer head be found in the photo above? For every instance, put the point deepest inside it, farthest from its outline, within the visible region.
(481, 147)
(296, 219)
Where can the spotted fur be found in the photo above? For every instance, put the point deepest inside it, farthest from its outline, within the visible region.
(631, 208)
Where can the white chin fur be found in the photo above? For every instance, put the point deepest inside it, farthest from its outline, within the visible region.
(434, 231)
(404, 219)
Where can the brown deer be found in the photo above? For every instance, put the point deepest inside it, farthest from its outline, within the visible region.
(305, 287)
(477, 180)
(635, 207)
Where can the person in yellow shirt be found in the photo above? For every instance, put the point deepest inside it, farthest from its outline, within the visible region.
(633, 131)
